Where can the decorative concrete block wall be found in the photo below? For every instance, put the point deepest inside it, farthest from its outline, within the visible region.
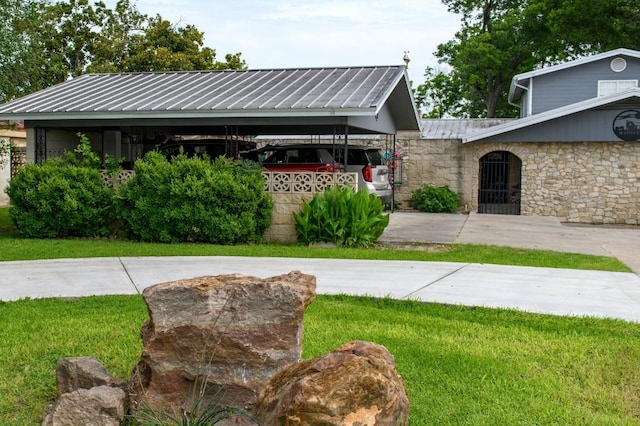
(289, 190)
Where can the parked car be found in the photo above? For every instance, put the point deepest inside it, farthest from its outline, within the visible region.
(214, 148)
(299, 158)
(373, 173)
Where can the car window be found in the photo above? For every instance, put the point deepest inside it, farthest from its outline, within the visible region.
(294, 155)
(375, 157)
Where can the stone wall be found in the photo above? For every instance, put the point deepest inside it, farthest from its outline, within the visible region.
(580, 182)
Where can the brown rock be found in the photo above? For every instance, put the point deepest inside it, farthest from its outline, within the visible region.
(98, 406)
(219, 339)
(355, 385)
(83, 372)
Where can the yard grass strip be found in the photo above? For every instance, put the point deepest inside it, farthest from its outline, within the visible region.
(14, 247)
(460, 365)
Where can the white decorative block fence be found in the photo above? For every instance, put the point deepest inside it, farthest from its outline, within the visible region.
(306, 182)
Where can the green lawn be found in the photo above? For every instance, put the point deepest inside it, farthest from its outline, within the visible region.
(460, 365)
(12, 247)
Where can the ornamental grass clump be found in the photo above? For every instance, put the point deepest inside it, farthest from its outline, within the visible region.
(341, 216)
(194, 200)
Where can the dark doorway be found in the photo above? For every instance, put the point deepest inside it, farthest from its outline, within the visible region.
(499, 191)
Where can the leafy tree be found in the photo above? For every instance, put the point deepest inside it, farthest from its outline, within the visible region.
(166, 47)
(18, 58)
(47, 43)
(440, 95)
(501, 38)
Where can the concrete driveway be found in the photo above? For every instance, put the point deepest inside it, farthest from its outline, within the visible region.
(534, 232)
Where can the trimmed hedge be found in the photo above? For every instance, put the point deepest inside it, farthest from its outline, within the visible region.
(194, 199)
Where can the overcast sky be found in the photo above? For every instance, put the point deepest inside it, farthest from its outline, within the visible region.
(313, 33)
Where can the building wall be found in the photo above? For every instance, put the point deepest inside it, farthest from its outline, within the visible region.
(282, 228)
(580, 182)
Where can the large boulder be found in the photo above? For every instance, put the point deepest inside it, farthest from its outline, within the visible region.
(217, 340)
(357, 384)
(98, 406)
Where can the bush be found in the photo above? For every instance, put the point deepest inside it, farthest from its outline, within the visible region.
(341, 216)
(60, 199)
(434, 200)
(196, 200)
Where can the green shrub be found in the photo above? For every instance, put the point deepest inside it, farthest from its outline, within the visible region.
(59, 199)
(195, 200)
(434, 200)
(341, 216)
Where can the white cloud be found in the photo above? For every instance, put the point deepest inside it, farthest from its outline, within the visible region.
(299, 33)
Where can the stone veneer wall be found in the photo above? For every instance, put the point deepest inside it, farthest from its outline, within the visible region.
(580, 182)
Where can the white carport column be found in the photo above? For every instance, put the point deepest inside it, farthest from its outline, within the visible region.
(5, 168)
(112, 143)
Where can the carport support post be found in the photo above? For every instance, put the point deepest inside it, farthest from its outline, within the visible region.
(393, 176)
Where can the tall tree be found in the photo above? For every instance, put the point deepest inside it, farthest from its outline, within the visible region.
(48, 42)
(501, 38)
(19, 57)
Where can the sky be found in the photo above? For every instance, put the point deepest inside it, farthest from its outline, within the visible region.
(316, 33)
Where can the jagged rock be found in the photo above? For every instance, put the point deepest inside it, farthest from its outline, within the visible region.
(83, 372)
(355, 385)
(219, 339)
(98, 406)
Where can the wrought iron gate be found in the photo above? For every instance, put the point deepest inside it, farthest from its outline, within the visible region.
(499, 189)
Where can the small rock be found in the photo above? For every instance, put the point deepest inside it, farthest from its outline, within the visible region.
(98, 406)
(83, 372)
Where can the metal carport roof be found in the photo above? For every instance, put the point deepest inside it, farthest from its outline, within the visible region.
(361, 100)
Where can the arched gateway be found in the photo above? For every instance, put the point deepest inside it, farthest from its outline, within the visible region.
(499, 186)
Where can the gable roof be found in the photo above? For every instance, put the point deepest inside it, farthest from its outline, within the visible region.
(348, 92)
(520, 79)
(589, 104)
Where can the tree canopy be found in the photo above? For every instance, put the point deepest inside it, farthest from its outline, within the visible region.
(501, 38)
(49, 42)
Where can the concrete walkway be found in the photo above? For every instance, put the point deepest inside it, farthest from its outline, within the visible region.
(534, 232)
(541, 290)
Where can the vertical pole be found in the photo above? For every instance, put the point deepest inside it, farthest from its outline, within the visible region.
(393, 175)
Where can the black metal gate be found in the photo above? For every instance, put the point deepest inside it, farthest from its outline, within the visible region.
(499, 190)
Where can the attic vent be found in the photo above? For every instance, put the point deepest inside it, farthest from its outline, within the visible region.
(618, 64)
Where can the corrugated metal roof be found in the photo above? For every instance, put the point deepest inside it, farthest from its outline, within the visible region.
(322, 89)
(455, 128)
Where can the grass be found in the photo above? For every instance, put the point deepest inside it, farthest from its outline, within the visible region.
(460, 365)
(13, 247)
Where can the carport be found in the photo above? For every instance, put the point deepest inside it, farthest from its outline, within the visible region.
(126, 115)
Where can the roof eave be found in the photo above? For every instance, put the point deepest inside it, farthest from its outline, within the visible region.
(577, 62)
(553, 114)
(402, 78)
(157, 115)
